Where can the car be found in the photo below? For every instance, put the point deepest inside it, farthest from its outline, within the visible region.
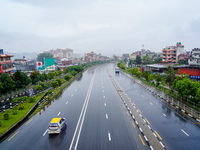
(56, 125)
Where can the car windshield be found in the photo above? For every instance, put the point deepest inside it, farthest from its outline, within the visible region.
(53, 125)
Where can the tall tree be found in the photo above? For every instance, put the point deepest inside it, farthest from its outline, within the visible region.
(146, 59)
(41, 56)
(7, 83)
(138, 59)
(35, 76)
(21, 79)
(170, 72)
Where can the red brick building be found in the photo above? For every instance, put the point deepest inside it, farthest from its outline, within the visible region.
(6, 64)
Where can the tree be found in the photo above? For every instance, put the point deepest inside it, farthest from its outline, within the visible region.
(158, 60)
(146, 75)
(54, 84)
(51, 75)
(122, 66)
(38, 87)
(158, 78)
(43, 77)
(20, 79)
(35, 76)
(125, 56)
(7, 83)
(150, 78)
(73, 73)
(60, 72)
(68, 77)
(146, 59)
(184, 87)
(1, 87)
(41, 56)
(44, 86)
(138, 59)
(170, 75)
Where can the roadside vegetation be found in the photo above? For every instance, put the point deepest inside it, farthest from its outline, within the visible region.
(57, 81)
(178, 86)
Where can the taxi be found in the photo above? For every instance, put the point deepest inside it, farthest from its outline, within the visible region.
(56, 125)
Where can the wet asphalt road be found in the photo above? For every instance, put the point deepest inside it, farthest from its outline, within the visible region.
(106, 124)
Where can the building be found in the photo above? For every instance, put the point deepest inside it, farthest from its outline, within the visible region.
(91, 57)
(195, 57)
(61, 53)
(171, 53)
(65, 63)
(25, 65)
(6, 65)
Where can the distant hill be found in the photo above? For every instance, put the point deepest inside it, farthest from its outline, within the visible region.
(20, 55)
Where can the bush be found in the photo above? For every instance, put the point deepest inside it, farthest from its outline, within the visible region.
(31, 99)
(38, 87)
(6, 115)
(73, 73)
(21, 106)
(68, 77)
(19, 99)
(14, 109)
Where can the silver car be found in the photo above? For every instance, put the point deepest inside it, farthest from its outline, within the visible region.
(56, 125)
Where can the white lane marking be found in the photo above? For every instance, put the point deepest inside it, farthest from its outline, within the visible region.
(79, 125)
(75, 89)
(106, 116)
(67, 102)
(150, 103)
(45, 132)
(72, 95)
(142, 95)
(109, 137)
(78, 85)
(104, 97)
(103, 90)
(102, 87)
(164, 115)
(184, 132)
(58, 113)
(104, 104)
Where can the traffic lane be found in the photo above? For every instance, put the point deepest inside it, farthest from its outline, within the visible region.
(143, 97)
(42, 123)
(113, 130)
(166, 119)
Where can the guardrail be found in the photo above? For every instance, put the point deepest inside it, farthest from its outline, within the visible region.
(176, 103)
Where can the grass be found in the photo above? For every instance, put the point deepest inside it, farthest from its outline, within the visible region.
(13, 119)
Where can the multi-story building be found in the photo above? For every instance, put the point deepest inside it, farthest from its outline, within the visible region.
(91, 57)
(171, 53)
(63, 53)
(65, 63)
(195, 57)
(6, 65)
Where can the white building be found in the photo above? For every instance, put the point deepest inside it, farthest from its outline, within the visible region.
(195, 58)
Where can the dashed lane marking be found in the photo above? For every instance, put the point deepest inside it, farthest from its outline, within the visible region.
(164, 115)
(29, 122)
(103, 91)
(127, 113)
(104, 104)
(139, 111)
(58, 114)
(106, 116)
(158, 135)
(104, 96)
(67, 102)
(184, 132)
(13, 136)
(150, 103)
(45, 132)
(72, 95)
(109, 136)
(142, 140)
(133, 123)
(147, 120)
(134, 103)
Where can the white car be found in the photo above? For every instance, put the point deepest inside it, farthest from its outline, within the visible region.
(56, 125)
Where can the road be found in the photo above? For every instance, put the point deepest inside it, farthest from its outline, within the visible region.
(173, 129)
(96, 119)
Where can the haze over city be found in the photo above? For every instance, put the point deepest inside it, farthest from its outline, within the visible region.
(107, 27)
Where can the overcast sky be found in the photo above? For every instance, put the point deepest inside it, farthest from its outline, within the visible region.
(102, 26)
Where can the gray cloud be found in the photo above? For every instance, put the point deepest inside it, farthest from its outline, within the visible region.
(113, 26)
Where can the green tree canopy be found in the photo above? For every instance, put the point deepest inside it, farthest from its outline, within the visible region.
(35, 76)
(138, 59)
(20, 79)
(146, 59)
(170, 75)
(7, 83)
